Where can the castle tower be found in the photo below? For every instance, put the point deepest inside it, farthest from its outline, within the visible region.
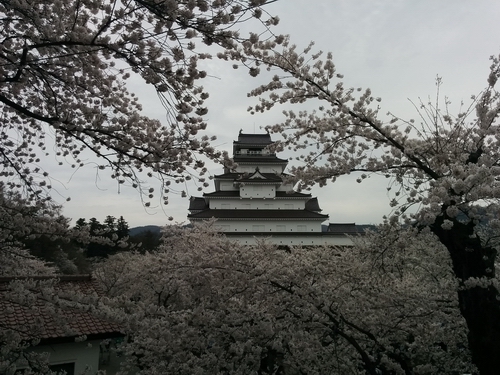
(254, 201)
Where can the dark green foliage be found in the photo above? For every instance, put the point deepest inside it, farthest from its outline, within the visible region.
(67, 256)
(148, 240)
(105, 237)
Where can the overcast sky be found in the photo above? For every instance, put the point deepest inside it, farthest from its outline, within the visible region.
(395, 47)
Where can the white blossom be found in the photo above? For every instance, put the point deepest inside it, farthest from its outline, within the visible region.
(204, 304)
(445, 164)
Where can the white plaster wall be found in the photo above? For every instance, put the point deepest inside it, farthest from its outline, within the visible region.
(257, 204)
(278, 169)
(249, 226)
(258, 191)
(227, 186)
(245, 168)
(295, 240)
(285, 187)
(245, 151)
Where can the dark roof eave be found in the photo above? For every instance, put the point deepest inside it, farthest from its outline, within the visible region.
(89, 337)
(254, 160)
(236, 194)
(234, 214)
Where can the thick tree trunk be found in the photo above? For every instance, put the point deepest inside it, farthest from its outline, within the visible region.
(479, 304)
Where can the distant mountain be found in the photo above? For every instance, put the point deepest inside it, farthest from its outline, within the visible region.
(155, 229)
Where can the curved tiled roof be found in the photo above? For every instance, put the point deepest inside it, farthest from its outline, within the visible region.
(247, 176)
(261, 177)
(313, 205)
(227, 176)
(43, 320)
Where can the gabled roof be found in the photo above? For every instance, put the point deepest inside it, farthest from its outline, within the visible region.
(256, 177)
(258, 215)
(260, 177)
(43, 321)
(239, 176)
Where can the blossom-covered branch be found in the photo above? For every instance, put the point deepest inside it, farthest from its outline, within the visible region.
(447, 166)
(63, 72)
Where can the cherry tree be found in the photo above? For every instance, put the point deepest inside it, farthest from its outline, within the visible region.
(21, 220)
(445, 167)
(64, 67)
(204, 304)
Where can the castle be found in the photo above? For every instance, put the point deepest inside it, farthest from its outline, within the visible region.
(255, 201)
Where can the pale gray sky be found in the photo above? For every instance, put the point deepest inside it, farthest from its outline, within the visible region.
(394, 47)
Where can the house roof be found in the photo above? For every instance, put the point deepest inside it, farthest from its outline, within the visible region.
(43, 320)
(258, 215)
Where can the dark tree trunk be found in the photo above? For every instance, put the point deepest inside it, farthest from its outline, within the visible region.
(479, 305)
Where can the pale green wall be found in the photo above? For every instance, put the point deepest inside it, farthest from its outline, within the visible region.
(85, 355)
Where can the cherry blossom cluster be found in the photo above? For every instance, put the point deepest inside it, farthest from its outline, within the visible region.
(203, 304)
(64, 67)
(443, 170)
